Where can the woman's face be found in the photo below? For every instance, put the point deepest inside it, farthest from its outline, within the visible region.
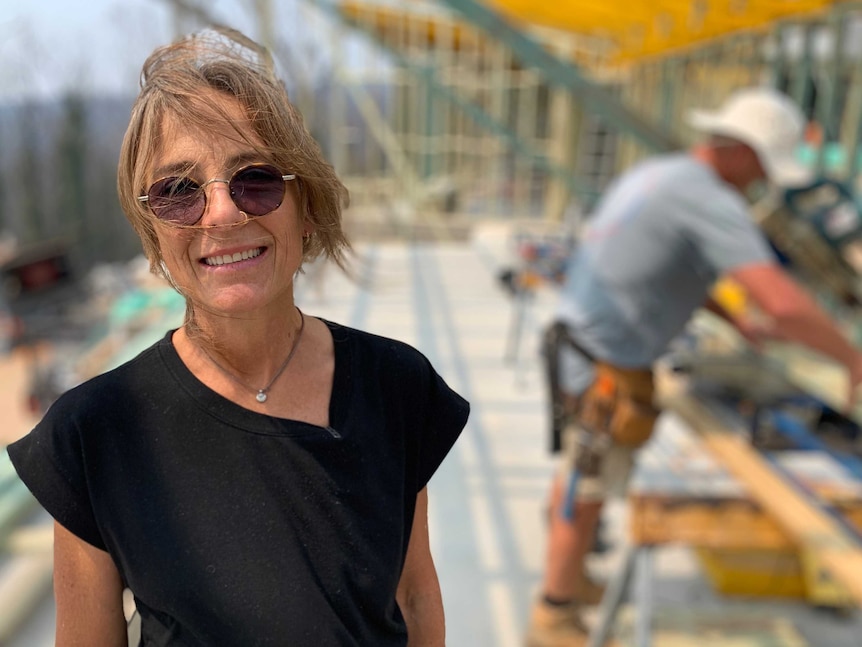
(200, 259)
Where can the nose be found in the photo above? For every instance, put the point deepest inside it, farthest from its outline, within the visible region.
(220, 208)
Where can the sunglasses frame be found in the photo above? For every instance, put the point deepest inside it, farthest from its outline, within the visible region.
(201, 187)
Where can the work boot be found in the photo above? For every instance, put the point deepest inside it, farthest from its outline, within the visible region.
(557, 626)
(589, 592)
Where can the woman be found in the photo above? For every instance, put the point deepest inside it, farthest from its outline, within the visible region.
(258, 476)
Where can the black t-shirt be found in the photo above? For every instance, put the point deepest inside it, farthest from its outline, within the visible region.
(239, 529)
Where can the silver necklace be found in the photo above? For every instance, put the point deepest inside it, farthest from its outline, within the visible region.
(261, 393)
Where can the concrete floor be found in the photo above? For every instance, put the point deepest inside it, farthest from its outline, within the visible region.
(487, 499)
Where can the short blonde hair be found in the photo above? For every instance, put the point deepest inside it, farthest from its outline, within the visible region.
(176, 83)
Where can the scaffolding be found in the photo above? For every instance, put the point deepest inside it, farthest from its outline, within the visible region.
(509, 109)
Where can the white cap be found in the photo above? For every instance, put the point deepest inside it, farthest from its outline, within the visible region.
(767, 121)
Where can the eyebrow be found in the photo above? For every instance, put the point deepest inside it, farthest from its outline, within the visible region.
(185, 167)
(176, 168)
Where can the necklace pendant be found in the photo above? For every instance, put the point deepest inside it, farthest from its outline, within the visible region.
(261, 396)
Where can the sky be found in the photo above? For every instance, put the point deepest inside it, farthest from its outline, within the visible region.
(97, 46)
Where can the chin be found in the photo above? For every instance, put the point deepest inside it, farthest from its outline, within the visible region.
(234, 301)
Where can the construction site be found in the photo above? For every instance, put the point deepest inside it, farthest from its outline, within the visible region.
(476, 139)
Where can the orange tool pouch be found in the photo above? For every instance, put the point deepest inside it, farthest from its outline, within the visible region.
(619, 402)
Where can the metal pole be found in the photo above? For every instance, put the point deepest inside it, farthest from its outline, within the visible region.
(613, 599)
(830, 78)
(800, 88)
(643, 597)
(853, 119)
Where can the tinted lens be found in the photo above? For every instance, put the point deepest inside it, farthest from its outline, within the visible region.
(177, 199)
(257, 190)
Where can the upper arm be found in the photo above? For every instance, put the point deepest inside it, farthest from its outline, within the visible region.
(89, 594)
(771, 288)
(418, 592)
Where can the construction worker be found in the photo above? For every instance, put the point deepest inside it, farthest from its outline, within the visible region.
(661, 236)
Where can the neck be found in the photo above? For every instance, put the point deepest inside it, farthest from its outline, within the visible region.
(250, 348)
(710, 157)
(262, 392)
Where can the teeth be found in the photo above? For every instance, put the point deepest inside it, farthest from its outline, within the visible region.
(227, 259)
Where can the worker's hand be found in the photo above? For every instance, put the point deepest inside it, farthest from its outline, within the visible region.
(755, 330)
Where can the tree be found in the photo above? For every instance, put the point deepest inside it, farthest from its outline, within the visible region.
(72, 170)
(29, 175)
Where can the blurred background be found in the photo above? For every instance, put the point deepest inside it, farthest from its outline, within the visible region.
(475, 138)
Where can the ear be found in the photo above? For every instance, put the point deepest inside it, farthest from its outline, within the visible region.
(308, 228)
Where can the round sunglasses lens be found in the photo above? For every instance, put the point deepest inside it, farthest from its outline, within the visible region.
(257, 190)
(177, 200)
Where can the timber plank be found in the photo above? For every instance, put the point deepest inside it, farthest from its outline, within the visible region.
(814, 531)
(726, 525)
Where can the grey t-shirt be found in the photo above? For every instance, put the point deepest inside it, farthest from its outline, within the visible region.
(659, 239)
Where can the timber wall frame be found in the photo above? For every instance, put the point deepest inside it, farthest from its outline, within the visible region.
(522, 121)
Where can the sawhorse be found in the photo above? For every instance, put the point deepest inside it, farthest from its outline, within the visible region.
(637, 566)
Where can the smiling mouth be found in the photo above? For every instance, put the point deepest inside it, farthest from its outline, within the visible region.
(227, 259)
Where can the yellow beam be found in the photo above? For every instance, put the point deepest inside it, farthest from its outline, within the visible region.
(390, 21)
(639, 28)
(648, 28)
(614, 15)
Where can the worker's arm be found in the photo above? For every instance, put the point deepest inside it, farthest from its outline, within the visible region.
(753, 330)
(418, 592)
(89, 594)
(716, 308)
(796, 316)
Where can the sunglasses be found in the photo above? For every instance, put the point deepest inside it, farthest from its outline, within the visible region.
(256, 190)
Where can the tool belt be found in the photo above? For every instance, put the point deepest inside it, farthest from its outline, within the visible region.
(618, 402)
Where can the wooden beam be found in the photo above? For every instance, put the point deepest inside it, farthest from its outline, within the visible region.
(717, 524)
(817, 533)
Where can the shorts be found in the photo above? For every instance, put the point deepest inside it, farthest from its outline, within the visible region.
(613, 474)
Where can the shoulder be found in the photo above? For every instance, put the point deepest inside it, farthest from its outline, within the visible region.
(382, 367)
(654, 170)
(388, 360)
(694, 188)
(721, 206)
(114, 389)
(370, 348)
(655, 183)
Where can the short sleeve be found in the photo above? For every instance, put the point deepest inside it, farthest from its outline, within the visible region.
(446, 414)
(725, 235)
(50, 462)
